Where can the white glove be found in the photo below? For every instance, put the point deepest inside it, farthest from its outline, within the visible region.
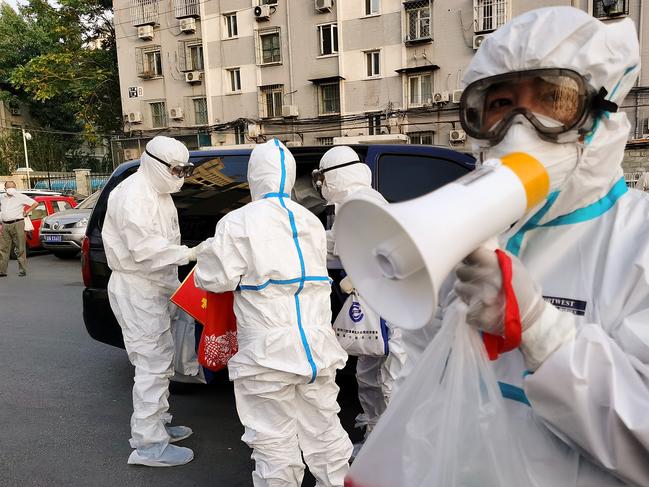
(346, 285)
(330, 242)
(479, 285)
(194, 251)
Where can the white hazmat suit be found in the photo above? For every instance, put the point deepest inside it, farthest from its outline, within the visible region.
(581, 416)
(272, 253)
(142, 242)
(375, 375)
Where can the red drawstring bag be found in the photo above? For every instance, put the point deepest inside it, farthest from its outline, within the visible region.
(215, 312)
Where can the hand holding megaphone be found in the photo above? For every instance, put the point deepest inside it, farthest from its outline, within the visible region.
(398, 255)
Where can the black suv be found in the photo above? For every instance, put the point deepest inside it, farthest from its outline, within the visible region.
(218, 185)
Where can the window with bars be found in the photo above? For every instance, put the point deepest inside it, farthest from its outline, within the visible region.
(425, 137)
(148, 62)
(328, 36)
(373, 64)
(234, 74)
(329, 98)
(418, 14)
(372, 7)
(231, 27)
(374, 123)
(325, 140)
(270, 49)
(239, 134)
(271, 100)
(420, 89)
(186, 8)
(200, 111)
(191, 55)
(158, 114)
(144, 12)
(489, 15)
(610, 8)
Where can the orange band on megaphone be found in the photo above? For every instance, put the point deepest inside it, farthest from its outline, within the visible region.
(532, 174)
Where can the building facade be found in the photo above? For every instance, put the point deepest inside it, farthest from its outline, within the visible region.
(215, 72)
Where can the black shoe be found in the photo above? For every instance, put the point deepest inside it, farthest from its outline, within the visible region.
(22, 274)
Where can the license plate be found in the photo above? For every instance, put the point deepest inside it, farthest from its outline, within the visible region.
(53, 238)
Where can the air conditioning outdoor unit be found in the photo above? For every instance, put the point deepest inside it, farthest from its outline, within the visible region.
(289, 111)
(135, 117)
(294, 143)
(176, 113)
(441, 97)
(457, 95)
(262, 12)
(194, 76)
(253, 131)
(15, 111)
(323, 5)
(145, 32)
(188, 25)
(457, 135)
(220, 138)
(478, 39)
(130, 154)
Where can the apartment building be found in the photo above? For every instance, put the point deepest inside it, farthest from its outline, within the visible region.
(215, 72)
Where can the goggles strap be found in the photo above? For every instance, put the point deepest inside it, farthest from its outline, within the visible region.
(322, 171)
(601, 103)
(157, 158)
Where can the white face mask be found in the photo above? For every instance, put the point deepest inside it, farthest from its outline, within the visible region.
(11, 191)
(558, 159)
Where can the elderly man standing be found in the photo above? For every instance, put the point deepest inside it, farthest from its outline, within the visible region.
(12, 215)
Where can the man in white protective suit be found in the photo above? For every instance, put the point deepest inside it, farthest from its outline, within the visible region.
(550, 83)
(142, 242)
(342, 177)
(272, 253)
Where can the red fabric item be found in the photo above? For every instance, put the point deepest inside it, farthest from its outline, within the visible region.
(496, 344)
(215, 312)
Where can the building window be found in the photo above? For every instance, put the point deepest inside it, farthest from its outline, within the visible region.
(267, 2)
(158, 114)
(374, 123)
(270, 48)
(420, 90)
(234, 75)
(417, 20)
(271, 101)
(200, 111)
(329, 98)
(425, 138)
(328, 35)
(610, 8)
(149, 62)
(239, 134)
(489, 14)
(373, 63)
(372, 7)
(325, 140)
(186, 8)
(191, 55)
(231, 25)
(144, 12)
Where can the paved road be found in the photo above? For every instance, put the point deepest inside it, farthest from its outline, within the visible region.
(65, 399)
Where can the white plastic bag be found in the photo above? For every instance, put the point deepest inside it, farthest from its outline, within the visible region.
(29, 226)
(360, 331)
(183, 330)
(447, 426)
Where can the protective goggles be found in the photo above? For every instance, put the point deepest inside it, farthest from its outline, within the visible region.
(318, 175)
(555, 101)
(180, 170)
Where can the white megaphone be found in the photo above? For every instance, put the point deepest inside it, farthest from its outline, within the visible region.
(398, 255)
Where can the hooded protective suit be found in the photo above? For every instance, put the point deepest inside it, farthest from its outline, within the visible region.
(581, 416)
(272, 252)
(142, 243)
(375, 375)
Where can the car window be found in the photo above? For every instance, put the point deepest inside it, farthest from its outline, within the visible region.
(404, 176)
(39, 212)
(61, 206)
(89, 202)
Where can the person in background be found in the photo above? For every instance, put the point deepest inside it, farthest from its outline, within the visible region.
(14, 208)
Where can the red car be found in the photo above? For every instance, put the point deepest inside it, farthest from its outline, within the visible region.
(47, 205)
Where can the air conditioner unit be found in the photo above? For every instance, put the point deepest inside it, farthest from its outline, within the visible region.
(130, 154)
(457, 135)
(15, 111)
(135, 117)
(262, 12)
(294, 143)
(441, 97)
(219, 138)
(188, 25)
(457, 95)
(145, 32)
(253, 130)
(194, 76)
(323, 5)
(289, 111)
(478, 39)
(176, 113)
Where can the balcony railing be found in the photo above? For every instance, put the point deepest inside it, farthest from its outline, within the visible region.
(187, 8)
